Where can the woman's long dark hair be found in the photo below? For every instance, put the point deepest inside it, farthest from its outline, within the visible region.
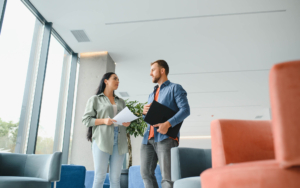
(100, 89)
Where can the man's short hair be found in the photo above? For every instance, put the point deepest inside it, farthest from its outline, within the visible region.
(162, 64)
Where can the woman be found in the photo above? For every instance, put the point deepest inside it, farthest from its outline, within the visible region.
(109, 141)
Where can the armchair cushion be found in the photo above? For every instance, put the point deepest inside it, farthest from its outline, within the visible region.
(191, 182)
(23, 182)
(261, 174)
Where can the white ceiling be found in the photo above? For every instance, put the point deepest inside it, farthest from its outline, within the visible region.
(220, 51)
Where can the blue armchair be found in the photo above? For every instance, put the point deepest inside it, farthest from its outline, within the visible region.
(29, 171)
(72, 176)
(187, 164)
(89, 180)
(135, 179)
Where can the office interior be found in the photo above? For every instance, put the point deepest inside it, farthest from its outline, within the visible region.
(238, 61)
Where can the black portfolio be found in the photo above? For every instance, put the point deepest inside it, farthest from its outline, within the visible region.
(159, 113)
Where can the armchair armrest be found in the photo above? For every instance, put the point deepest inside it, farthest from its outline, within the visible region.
(235, 141)
(189, 162)
(47, 167)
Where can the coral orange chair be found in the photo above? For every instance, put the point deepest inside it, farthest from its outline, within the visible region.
(261, 154)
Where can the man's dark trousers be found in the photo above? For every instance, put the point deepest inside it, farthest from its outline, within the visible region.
(150, 154)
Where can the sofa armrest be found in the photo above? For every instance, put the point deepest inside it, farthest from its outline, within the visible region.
(47, 167)
(189, 162)
(235, 141)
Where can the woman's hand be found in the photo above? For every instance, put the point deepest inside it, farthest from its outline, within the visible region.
(126, 124)
(109, 121)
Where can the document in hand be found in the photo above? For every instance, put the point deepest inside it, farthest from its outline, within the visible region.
(125, 116)
(159, 113)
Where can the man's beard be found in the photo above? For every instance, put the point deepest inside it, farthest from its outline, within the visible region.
(156, 79)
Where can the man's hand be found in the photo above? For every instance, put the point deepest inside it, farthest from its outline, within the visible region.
(163, 127)
(146, 108)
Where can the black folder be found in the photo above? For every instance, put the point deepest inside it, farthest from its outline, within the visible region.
(159, 113)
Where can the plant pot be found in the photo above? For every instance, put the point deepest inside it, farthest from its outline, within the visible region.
(124, 178)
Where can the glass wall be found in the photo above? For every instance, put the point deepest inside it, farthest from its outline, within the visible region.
(53, 103)
(15, 46)
(28, 103)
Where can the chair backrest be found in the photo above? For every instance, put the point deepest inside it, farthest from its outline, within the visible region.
(135, 179)
(285, 103)
(236, 141)
(72, 176)
(189, 162)
(12, 164)
(89, 179)
(46, 166)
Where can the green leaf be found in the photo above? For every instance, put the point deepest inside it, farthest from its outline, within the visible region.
(138, 126)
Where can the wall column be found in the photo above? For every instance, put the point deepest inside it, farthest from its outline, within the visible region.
(92, 67)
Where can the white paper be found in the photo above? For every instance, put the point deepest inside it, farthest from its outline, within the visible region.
(124, 116)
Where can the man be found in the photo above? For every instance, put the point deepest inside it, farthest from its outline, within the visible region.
(156, 145)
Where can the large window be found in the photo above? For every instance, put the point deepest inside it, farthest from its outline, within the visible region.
(53, 109)
(15, 46)
(35, 73)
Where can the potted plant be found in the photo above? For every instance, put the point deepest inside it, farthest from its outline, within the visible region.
(136, 128)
